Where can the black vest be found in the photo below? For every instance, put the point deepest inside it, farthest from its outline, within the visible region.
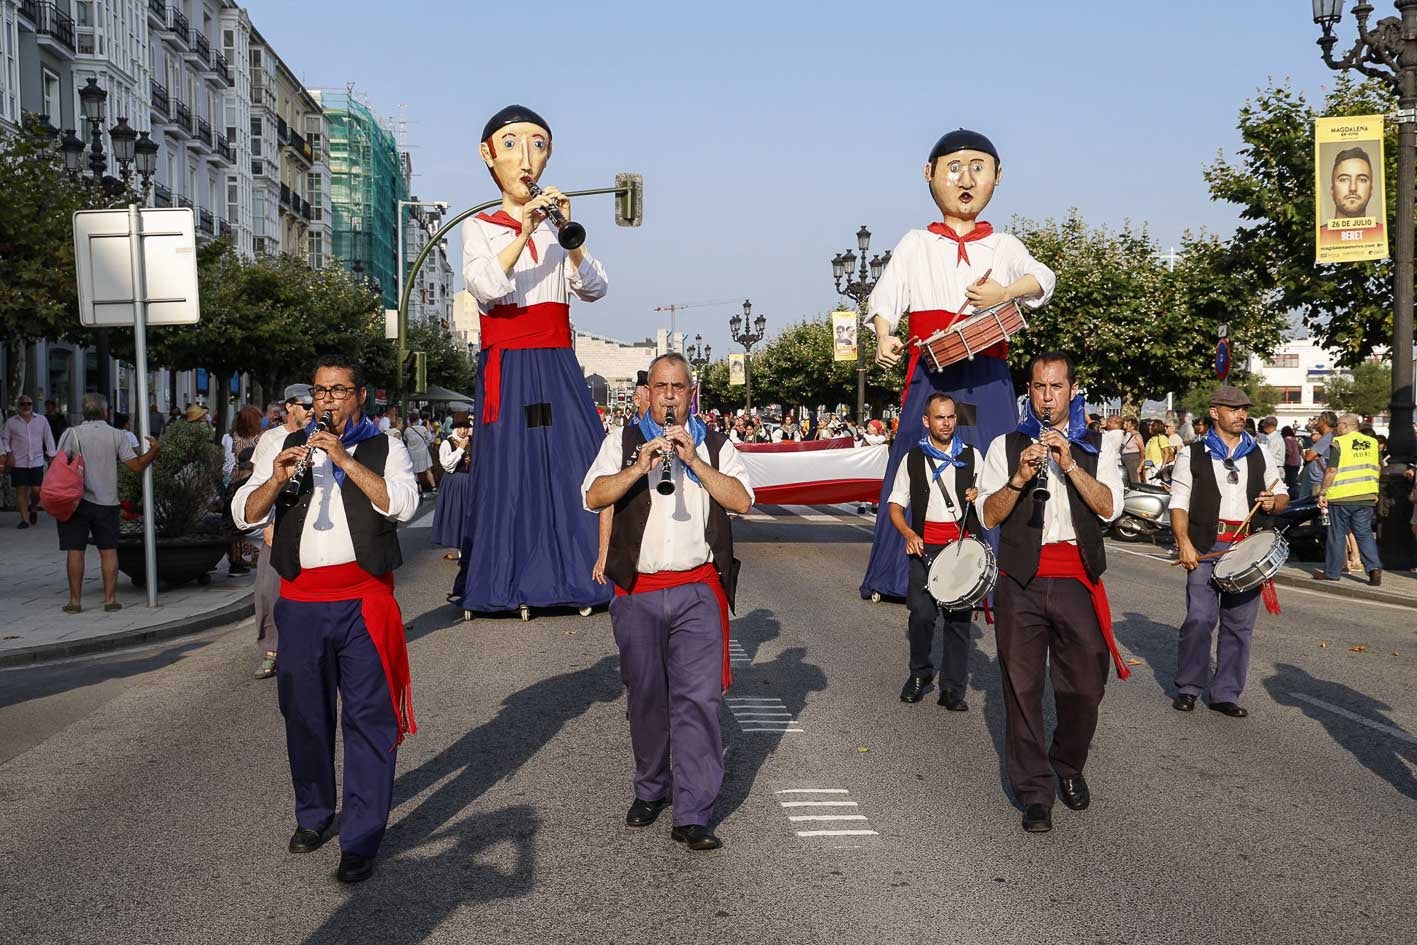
(632, 515)
(1204, 523)
(1020, 541)
(920, 486)
(375, 538)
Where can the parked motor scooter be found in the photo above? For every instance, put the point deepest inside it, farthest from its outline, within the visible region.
(1146, 509)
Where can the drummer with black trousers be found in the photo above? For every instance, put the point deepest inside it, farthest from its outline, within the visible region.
(1215, 484)
(936, 482)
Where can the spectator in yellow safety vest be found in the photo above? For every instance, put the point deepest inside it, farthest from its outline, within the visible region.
(1349, 492)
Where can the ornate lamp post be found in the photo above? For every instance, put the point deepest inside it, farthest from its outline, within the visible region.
(747, 333)
(857, 287)
(1388, 51)
(698, 353)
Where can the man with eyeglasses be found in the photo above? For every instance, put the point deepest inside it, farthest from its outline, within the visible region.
(335, 549)
(30, 443)
(1213, 487)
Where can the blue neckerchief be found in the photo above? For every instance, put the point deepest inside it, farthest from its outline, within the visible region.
(946, 460)
(1217, 448)
(1030, 426)
(649, 429)
(357, 431)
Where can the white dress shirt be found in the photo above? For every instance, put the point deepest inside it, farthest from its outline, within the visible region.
(449, 456)
(29, 443)
(325, 539)
(925, 274)
(1273, 444)
(676, 535)
(551, 278)
(1233, 504)
(1058, 510)
(936, 510)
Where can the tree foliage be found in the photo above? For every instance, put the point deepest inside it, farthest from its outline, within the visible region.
(1367, 393)
(1346, 306)
(1196, 401)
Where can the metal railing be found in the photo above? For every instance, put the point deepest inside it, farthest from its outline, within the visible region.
(223, 229)
(183, 114)
(159, 9)
(285, 195)
(201, 46)
(178, 25)
(206, 222)
(224, 148)
(282, 130)
(50, 21)
(204, 131)
(162, 195)
(305, 208)
(220, 66)
(161, 102)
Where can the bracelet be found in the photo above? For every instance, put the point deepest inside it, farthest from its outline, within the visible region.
(1069, 470)
(1010, 484)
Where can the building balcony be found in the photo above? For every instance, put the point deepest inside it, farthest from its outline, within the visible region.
(223, 229)
(305, 208)
(202, 139)
(179, 30)
(161, 102)
(181, 124)
(285, 196)
(162, 195)
(300, 147)
(53, 27)
(220, 68)
(263, 244)
(199, 50)
(282, 130)
(181, 201)
(206, 222)
(157, 14)
(222, 151)
(262, 95)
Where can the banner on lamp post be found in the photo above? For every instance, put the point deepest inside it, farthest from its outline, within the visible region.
(737, 370)
(844, 339)
(1350, 206)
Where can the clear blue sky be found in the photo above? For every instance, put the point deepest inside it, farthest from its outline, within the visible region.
(768, 132)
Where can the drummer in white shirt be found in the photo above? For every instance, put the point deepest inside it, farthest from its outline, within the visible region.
(1214, 485)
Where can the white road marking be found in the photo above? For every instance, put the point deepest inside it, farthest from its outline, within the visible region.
(819, 803)
(806, 513)
(1354, 716)
(746, 699)
(813, 790)
(837, 833)
(801, 817)
(772, 729)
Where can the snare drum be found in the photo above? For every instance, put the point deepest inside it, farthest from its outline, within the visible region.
(962, 574)
(967, 337)
(1251, 562)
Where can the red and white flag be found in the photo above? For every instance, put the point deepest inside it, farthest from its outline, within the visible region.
(817, 472)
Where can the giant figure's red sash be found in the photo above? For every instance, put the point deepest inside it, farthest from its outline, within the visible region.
(514, 328)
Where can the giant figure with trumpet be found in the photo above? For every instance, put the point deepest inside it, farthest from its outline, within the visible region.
(941, 275)
(527, 542)
(672, 483)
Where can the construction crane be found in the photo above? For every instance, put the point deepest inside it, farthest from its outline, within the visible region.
(672, 309)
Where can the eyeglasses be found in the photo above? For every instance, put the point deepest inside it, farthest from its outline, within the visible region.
(26, 403)
(1233, 476)
(338, 392)
(298, 403)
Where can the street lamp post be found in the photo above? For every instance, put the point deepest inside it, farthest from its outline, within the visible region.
(698, 353)
(1388, 52)
(747, 331)
(857, 287)
(442, 207)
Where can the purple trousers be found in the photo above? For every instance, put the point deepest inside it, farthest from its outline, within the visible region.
(1205, 604)
(671, 658)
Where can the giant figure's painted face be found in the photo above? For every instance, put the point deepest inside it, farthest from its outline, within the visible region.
(515, 152)
(963, 182)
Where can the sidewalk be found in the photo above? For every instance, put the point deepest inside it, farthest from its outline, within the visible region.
(34, 588)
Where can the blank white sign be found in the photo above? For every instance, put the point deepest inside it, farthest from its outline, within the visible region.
(103, 249)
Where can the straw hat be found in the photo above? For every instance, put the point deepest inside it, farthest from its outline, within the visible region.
(194, 413)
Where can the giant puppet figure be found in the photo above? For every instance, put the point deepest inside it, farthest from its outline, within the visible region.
(528, 542)
(939, 274)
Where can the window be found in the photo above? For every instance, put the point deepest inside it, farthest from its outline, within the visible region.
(50, 94)
(233, 198)
(1320, 397)
(1285, 360)
(1290, 395)
(316, 250)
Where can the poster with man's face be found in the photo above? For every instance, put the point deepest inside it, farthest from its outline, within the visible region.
(843, 336)
(1349, 195)
(737, 371)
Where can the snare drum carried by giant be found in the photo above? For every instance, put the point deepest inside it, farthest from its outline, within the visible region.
(1251, 562)
(968, 337)
(962, 574)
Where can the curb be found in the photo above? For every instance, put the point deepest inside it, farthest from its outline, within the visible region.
(1345, 588)
(231, 613)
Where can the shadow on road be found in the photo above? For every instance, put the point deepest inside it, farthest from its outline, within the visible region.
(1153, 642)
(984, 675)
(36, 681)
(1390, 758)
(788, 677)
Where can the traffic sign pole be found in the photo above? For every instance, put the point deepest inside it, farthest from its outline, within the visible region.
(140, 356)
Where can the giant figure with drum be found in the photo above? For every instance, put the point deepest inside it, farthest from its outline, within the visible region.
(966, 288)
(528, 542)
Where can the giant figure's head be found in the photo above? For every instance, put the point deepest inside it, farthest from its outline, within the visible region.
(963, 169)
(516, 143)
(1352, 183)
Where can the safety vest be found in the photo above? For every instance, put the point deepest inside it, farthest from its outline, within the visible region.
(1358, 469)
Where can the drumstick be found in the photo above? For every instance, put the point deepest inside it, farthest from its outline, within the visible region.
(982, 279)
(1243, 525)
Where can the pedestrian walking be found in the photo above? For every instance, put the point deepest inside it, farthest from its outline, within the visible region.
(96, 517)
(30, 443)
(1214, 487)
(1349, 492)
(240, 445)
(58, 422)
(671, 560)
(1293, 460)
(335, 550)
(1158, 450)
(1131, 450)
(418, 441)
(455, 456)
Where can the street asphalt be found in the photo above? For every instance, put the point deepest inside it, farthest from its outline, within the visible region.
(145, 795)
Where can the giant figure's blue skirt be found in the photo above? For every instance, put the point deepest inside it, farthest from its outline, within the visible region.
(985, 383)
(526, 537)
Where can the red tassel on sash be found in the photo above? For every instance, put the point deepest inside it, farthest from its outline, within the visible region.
(382, 618)
(513, 328)
(1064, 560)
(703, 574)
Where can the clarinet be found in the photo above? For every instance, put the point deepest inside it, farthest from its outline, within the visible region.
(666, 469)
(1040, 484)
(570, 234)
(290, 492)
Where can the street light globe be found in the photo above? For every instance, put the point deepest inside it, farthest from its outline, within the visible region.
(73, 150)
(123, 138)
(735, 325)
(759, 324)
(863, 240)
(747, 309)
(838, 267)
(145, 152)
(849, 260)
(91, 98)
(708, 352)
(1328, 12)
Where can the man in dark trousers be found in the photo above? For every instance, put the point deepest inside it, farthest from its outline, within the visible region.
(335, 549)
(1050, 605)
(672, 485)
(936, 482)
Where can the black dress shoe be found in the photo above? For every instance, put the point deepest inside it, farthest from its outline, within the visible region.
(354, 869)
(644, 813)
(914, 688)
(953, 701)
(306, 840)
(1184, 702)
(1074, 792)
(1230, 709)
(1037, 819)
(696, 837)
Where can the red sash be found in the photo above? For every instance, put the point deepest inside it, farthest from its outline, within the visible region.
(703, 574)
(1064, 560)
(382, 618)
(513, 328)
(925, 323)
(941, 533)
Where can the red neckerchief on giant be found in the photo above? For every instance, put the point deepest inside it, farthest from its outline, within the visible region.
(981, 230)
(503, 218)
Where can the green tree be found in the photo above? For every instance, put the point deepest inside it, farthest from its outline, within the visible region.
(1366, 393)
(1348, 306)
(1196, 401)
(796, 368)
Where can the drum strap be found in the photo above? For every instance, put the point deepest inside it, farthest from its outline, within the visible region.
(945, 494)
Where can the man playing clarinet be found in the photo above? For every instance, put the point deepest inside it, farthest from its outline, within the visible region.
(1219, 478)
(335, 549)
(939, 275)
(936, 483)
(1050, 606)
